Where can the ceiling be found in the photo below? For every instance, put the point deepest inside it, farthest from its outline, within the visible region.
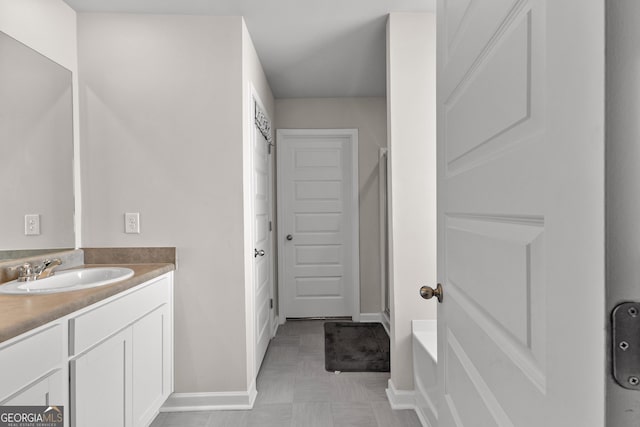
(308, 48)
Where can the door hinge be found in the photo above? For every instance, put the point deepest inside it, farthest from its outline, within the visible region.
(269, 145)
(625, 340)
(270, 226)
(270, 302)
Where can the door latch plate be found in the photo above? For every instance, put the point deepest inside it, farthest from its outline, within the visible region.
(625, 341)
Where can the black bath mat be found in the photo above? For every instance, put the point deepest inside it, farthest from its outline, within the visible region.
(356, 347)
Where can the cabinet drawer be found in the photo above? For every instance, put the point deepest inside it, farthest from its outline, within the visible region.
(30, 359)
(91, 327)
(50, 390)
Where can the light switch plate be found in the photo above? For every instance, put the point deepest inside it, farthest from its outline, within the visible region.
(132, 222)
(32, 225)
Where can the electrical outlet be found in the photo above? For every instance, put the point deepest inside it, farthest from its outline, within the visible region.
(32, 225)
(132, 223)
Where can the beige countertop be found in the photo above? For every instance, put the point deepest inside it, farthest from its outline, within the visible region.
(21, 313)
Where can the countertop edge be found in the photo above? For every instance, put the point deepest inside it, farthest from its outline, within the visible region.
(23, 317)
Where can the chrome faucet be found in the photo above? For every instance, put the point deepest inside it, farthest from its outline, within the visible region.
(25, 272)
(28, 272)
(46, 267)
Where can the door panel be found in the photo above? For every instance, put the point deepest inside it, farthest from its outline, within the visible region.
(520, 183)
(315, 188)
(485, 96)
(262, 242)
(496, 253)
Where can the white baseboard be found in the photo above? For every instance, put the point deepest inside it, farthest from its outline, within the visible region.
(214, 401)
(400, 399)
(423, 420)
(386, 322)
(405, 399)
(370, 317)
(275, 327)
(377, 318)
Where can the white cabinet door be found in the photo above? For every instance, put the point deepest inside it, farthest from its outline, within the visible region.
(150, 376)
(101, 384)
(126, 377)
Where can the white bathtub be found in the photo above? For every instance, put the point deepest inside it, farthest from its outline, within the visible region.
(425, 370)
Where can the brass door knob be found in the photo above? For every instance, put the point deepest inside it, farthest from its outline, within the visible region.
(427, 292)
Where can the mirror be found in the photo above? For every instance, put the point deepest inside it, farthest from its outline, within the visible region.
(36, 151)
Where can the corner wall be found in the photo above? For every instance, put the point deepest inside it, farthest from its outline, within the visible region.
(411, 103)
(162, 131)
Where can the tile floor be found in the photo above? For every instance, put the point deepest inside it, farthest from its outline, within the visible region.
(294, 390)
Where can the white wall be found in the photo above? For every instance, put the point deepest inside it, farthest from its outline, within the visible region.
(162, 128)
(411, 101)
(254, 83)
(622, 181)
(368, 116)
(49, 27)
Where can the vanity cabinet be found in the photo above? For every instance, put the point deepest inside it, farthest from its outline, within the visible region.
(109, 364)
(37, 371)
(121, 364)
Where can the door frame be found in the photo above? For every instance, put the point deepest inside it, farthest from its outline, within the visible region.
(383, 215)
(354, 203)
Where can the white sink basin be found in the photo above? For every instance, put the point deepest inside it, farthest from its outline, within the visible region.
(71, 280)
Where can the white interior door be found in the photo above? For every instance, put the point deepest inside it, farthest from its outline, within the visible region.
(521, 212)
(318, 223)
(262, 244)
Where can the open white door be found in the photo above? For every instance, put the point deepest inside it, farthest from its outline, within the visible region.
(521, 212)
(263, 258)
